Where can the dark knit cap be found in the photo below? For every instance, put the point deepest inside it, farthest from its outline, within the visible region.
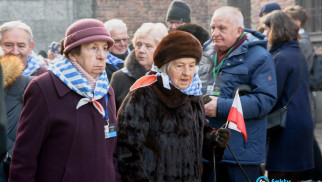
(269, 7)
(175, 45)
(178, 10)
(85, 31)
(196, 30)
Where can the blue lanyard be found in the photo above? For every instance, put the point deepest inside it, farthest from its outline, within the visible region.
(106, 114)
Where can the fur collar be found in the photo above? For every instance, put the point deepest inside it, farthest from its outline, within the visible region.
(171, 98)
(12, 68)
(133, 66)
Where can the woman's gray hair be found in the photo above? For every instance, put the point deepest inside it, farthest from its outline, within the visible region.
(157, 30)
(16, 24)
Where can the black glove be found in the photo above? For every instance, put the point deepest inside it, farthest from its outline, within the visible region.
(222, 137)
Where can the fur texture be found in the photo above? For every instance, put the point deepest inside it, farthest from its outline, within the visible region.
(175, 45)
(12, 67)
(161, 134)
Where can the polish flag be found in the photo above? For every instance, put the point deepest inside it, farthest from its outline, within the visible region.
(235, 118)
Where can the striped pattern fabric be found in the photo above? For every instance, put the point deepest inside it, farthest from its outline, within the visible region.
(193, 89)
(67, 73)
(33, 63)
(111, 59)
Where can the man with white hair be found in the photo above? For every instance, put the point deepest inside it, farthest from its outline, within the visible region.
(237, 58)
(16, 39)
(119, 51)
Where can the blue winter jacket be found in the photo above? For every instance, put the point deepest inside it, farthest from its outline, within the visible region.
(253, 65)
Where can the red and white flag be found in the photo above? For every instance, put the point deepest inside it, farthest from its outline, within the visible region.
(235, 118)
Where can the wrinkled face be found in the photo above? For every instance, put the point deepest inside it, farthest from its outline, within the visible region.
(224, 32)
(92, 57)
(144, 49)
(16, 42)
(121, 40)
(174, 24)
(181, 72)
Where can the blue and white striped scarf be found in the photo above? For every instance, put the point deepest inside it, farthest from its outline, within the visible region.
(111, 59)
(67, 73)
(32, 64)
(193, 89)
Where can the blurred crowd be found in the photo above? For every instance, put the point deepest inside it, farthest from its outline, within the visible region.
(98, 105)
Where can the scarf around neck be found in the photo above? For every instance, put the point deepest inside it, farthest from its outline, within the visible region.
(67, 73)
(32, 64)
(193, 89)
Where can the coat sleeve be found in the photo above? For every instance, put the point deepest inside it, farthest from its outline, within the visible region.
(209, 145)
(262, 79)
(32, 131)
(133, 131)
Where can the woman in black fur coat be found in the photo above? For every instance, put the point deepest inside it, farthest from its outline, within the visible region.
(162, 126)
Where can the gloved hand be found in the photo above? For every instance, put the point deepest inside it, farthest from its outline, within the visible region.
(222, 137)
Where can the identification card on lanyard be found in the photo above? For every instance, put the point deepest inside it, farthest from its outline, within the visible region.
(109, 129)
(215, 88)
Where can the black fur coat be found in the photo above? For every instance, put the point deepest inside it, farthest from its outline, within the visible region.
(161, 134)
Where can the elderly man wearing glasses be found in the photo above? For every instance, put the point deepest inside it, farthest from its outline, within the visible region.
(178, 14)
(119, 51)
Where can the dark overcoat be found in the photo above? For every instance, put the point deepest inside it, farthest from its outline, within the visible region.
(57, 142)
(291, 149)
(121, 82)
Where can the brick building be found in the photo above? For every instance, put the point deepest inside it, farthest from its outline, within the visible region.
(136, 12)
(49, 19)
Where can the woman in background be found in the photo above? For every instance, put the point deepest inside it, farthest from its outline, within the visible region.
(290, 150)
(139, 61)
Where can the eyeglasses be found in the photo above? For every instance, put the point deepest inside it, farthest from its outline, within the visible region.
(117, 41)
(176, 23)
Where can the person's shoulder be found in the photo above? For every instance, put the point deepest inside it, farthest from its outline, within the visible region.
(117, 75)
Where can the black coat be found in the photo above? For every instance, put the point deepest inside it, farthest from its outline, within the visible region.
(122, 82)
(161, 134)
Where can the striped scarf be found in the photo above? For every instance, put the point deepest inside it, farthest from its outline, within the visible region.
(67, 73)
(193, 89)
(32, 64)
(111, 59)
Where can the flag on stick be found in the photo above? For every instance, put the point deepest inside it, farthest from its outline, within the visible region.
(235, 118)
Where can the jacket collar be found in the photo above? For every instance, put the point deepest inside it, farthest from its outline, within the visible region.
(171, 98)
(133, 66)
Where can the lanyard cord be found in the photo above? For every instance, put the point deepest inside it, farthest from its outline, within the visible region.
(215, 58)
(106, 114)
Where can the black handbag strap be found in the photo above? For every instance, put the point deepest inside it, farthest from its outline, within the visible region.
(295, 88)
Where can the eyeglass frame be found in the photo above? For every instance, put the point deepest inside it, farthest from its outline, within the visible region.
(180, 22)
(117, 41)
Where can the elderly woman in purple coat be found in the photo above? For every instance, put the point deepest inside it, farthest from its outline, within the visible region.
(67, 129)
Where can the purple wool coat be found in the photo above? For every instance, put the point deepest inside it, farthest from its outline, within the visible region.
(57, 142)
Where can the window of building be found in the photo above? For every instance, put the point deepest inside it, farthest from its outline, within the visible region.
(314, 22)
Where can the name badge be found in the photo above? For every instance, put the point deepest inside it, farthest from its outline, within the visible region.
(110, 131)
(213, 90)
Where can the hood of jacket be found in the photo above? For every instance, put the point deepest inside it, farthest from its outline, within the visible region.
(12, 68)
(254, 38)
(133, 66)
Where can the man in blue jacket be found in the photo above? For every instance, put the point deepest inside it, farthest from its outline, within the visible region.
(238, 56)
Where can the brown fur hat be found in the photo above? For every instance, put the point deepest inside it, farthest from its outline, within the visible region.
(175, 45)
